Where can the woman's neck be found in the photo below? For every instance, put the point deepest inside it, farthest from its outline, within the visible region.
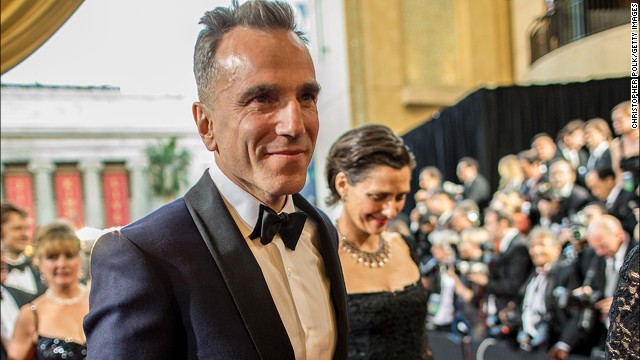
(363, 240)
(70, 290)
(631, 136)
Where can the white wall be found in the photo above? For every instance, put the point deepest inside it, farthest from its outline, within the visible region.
(329, 52)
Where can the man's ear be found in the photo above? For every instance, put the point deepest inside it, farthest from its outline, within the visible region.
(204, 125)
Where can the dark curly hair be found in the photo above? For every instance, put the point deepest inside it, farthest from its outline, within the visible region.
(359, 150)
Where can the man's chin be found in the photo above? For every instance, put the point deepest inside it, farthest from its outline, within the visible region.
(284, 185)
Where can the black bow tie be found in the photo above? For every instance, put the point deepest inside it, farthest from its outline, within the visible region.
(269, 223)
(20, 267)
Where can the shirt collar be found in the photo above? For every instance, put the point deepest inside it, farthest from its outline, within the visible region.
(506, 239)
(613, 195)
(20, 260)
(621, 253)
(600, 149)
(565, 191)
(245, 205)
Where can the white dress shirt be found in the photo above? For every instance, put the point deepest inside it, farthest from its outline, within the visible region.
(10, 311)
(296, 279)
(533, 305)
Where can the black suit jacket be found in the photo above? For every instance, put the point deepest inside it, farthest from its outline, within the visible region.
(621, 209)
(570, 205)
(478, 190)
(509, 271)
(181, 283)
(604, 161)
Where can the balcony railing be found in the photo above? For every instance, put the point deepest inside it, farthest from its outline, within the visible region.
(570, 20)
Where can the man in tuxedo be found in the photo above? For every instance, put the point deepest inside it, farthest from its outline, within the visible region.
(15, 231)
(597, 135)
(430, 179)
(241, 267)
(618, 202)
(476, 186)
(11, 300)
(572, 197)
(547, 150)
(571, 141)
(596, 276)
(509, 268)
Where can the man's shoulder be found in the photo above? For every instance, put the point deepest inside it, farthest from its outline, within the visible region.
(580, 192)
(519, 243)
(170, 218)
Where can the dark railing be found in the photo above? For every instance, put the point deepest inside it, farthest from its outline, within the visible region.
(570, 20)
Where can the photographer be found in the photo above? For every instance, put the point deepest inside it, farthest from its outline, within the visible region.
(618, 202)
(471, 250)
(509, 268)
(436, 279)
(542, 322)
(421, 225)
(596, 274)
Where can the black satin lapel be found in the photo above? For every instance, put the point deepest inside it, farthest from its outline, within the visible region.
(329, 251)
(239, 269)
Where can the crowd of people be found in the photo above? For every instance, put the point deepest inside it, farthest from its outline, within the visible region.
(244, 267)
(536, 263)
(44, 295)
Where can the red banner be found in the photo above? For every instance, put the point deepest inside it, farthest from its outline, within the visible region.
(116, 198)
(18, 189)
(69, 197)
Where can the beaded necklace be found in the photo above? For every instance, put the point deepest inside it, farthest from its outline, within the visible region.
(379, 258)
(66, 301)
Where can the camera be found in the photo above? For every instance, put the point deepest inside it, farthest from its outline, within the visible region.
(507, 328)
(488, 254)
(464, 267)
(577, 225)
(583, 300)
(578, 232)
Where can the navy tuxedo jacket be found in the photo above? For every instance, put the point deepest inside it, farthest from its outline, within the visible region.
(181, 283)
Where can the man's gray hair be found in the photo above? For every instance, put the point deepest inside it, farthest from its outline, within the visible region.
(254, 14)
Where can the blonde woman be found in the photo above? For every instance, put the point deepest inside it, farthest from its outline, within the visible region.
(511, 173)
(625, 148)
(51, 326)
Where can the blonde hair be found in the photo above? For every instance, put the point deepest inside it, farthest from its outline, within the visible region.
(600, 125)
(510, 170)
(624, 106)
(54, 238)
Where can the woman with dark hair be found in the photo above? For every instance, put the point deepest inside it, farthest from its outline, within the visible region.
(51, 326)
(368, 172)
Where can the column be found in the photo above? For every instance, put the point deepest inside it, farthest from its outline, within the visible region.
(45, 204)
(94, 209)
(137, 170)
